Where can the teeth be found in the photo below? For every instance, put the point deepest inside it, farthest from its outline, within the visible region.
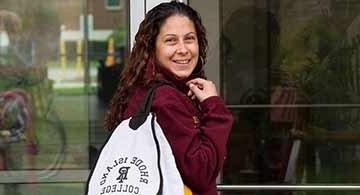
(182, 61)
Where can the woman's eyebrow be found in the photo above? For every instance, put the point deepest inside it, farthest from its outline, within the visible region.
(170, 35)
(190, 33)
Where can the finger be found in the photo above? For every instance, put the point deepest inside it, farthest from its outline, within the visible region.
(202, 83)
(194, 88)
(190, 93)
(197, 81)
(198, 85)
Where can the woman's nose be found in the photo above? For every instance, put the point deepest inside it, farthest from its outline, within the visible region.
(182, 48)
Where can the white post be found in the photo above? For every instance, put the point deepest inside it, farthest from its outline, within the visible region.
(137, 14)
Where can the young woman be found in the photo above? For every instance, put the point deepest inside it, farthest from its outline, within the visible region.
(170, 47)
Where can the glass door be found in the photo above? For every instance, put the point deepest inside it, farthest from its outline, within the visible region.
(59, 61)
(289, 71)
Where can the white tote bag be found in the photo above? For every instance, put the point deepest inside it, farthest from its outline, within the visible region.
(136, 159)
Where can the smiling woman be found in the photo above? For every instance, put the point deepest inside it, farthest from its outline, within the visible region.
(170, 48)
(177, 47)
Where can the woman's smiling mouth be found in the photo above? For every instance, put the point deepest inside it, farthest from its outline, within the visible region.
(181, 61)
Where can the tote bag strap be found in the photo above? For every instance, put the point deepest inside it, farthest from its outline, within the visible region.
(144, 110)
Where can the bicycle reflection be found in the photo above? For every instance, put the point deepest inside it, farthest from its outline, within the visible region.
(16, 133)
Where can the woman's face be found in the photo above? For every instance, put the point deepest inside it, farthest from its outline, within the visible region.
(177, 47)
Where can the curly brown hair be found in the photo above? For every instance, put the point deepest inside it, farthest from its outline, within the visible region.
(143, 53)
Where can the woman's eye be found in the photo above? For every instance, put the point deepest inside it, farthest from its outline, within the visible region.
(191, 38)
(170, 40)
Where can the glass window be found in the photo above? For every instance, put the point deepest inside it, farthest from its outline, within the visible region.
(59, 62)
(35, 189)
(289, 71)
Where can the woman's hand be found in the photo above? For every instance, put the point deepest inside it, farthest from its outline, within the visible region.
(201, 89)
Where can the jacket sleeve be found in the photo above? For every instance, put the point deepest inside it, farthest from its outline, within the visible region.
(199, 149)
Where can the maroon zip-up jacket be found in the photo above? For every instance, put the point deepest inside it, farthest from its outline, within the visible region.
(196, 132)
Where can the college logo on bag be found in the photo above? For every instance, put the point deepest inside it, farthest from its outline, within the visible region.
(123, 173)
(120, 169)
(136, 159)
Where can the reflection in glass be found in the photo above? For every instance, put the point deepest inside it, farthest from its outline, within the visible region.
(39, 189)
(32, 135)
(59, 66)
(260, 149)
(291, 75)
